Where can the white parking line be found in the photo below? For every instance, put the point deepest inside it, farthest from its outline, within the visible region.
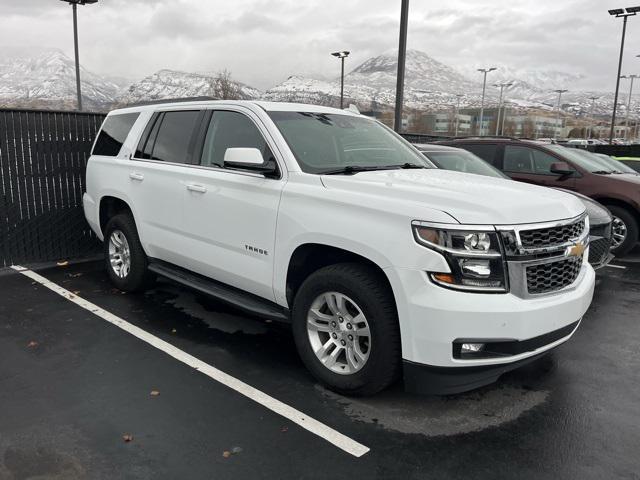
(320, 429)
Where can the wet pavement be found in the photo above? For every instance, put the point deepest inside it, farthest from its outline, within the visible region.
(72, 385)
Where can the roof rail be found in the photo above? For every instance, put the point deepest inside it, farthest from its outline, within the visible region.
(171, 100)
(504, 137)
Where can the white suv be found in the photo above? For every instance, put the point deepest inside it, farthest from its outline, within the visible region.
(327, 219)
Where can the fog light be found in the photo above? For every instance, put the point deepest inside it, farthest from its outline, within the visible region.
(472, 347)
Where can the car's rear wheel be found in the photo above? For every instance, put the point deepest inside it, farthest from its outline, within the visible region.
(624, 229)
(125, 258)
(346, 329)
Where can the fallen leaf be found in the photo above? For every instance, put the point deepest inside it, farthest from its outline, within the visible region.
(32, 344)
(127, 438)
(226, 454)
(154, 393)
(173, 330)
(76, 292)
(235, 450)
(63, 263)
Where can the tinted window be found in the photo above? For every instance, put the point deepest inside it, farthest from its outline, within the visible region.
(527, 160)
(486, 152)
(113, 134)
(230, 130)
(174, 136)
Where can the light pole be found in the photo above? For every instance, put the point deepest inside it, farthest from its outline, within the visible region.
(620, 12)
(593, 104)
(402, 54)
(484, 88)
(559, 92)
(502, 86)
(341, 55)
(459, 96)
(74, 5)
(504, 116)
(626, 121)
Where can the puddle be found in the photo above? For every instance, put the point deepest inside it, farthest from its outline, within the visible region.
(208, 311)
(434, 416)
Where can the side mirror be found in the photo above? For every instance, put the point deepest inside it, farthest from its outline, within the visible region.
(250, 159)
(561, 168)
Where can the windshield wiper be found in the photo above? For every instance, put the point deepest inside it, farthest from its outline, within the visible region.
(351, 169)
(602, 172)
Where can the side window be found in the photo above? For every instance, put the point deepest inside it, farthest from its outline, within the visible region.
(113, 133)
(543, 161)
(230, 130)
(518, 159)
(174, 136)
(485, 151)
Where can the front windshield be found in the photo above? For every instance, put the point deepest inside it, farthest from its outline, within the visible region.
(590, 163)
(463, 161)
(325, 142)
(615, 164)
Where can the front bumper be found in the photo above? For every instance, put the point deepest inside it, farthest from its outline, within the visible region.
(432, 318)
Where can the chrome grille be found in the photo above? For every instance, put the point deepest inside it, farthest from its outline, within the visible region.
(551, 236)
(552, 276)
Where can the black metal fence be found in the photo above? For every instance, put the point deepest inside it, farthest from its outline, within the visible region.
(43, 158)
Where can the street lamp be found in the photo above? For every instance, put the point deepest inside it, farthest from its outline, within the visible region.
(402, 55)
(341, 55)
(593, 104)
(620, 12)
(559, 92)
(74, 4)
(459, 96)
(484, 87)
(626, 122)
(502, 86)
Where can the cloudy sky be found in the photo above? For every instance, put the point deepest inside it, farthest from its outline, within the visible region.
(262, 42)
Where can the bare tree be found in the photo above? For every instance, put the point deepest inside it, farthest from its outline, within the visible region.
(224, 88)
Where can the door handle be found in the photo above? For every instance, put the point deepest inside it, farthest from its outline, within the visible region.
(136, 176)
(193, 187)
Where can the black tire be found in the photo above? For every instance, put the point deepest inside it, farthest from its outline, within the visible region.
(139, 277)
(632, 229)
(370, 290)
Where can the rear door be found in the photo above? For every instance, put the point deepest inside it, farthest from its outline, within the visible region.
(230, 214)
(155, 185)
(533, 165)
(489, 152)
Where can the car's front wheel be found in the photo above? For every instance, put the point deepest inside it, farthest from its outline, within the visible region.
(624, 230)
(346, 329)
(125, 258)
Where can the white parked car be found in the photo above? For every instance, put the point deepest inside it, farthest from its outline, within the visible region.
(327, 219)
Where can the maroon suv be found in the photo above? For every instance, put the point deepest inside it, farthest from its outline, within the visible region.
(556, 166)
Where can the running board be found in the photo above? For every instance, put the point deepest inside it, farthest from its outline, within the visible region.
(244, 301)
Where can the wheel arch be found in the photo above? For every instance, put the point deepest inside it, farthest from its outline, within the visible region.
(111, 205)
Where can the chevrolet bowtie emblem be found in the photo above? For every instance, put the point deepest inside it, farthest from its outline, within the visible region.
(575, 250)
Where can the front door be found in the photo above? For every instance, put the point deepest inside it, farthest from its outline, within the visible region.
(531, 165)
(230, 214)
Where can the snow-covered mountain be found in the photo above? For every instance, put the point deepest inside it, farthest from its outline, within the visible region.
(166, 84)
(47, 79)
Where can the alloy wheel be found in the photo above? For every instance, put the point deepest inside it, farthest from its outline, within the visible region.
(618, 231)
(119, 254)
(339, 333)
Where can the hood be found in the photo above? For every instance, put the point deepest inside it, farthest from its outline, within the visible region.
(470, 199)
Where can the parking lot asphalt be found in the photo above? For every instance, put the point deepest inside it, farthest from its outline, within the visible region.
(74, 387)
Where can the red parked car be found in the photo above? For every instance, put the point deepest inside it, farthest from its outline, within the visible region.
(561, 167)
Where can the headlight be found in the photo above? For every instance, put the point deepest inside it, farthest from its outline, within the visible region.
(474, 256)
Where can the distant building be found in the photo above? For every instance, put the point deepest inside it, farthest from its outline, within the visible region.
(445, 123)
(533, 126)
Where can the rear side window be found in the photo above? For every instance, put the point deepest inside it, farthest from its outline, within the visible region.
(485, 151)
(113, 133)
(230, 130)
(527, 160)
(174, 136)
